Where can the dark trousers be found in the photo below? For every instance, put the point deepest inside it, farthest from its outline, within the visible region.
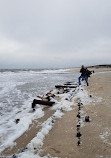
(83, 77)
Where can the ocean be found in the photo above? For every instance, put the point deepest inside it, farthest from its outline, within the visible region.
(18, 88)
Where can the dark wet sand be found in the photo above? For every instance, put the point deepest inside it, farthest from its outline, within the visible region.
(24, 139)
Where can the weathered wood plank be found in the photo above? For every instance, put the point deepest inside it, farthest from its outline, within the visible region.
(65, 86)
(41, 102)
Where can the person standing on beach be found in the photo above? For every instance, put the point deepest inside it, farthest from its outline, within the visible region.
(84, 76)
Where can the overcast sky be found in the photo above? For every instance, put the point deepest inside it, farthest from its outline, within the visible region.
(54, 33)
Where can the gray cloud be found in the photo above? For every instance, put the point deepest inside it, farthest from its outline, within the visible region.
(59, 33)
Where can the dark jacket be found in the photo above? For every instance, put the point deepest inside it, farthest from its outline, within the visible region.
(88, 73)
(83, 72)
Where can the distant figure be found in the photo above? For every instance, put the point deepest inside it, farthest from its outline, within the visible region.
(84, 75)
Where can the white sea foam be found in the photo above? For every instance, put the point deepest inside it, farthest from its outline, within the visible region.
(104, 136)
(49, 71)
(55, 71)
(17, 91)
(37, 142)
(83, 95)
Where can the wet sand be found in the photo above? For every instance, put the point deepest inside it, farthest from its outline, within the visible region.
(26, 137)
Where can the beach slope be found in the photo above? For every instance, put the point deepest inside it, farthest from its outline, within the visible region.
(96, 134)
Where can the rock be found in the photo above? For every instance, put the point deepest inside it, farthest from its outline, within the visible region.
(78, 128)
(14, 156)
(78, 143)
(78, 134)
(87, 119)
(78, 116)
(78, 125)
(17, 121)
(79, 104)
(53, 121)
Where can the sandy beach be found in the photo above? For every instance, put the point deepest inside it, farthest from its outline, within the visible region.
(96, 134)
(95, 141)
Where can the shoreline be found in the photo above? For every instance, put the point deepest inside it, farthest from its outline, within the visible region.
(60, 126)
(26, 138)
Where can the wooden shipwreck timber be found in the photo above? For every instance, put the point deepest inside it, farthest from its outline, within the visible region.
(42, 102)
(65, 86)
(47, 99)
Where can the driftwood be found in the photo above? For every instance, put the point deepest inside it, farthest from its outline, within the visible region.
(41, 102)
(47, 98)
(65, 86)
(68, 82)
